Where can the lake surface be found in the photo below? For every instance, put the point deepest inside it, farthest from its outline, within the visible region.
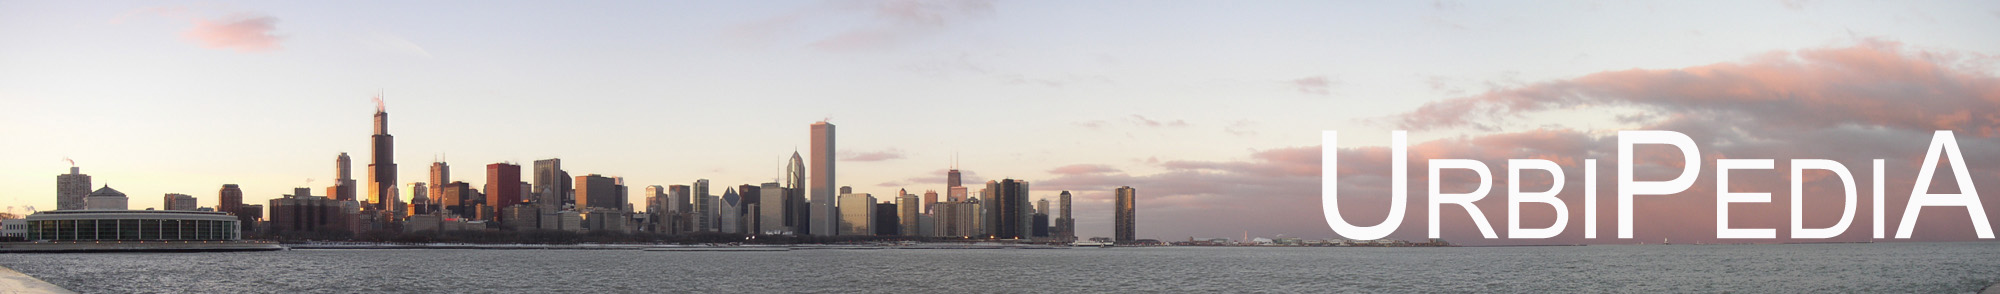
(1821, 268)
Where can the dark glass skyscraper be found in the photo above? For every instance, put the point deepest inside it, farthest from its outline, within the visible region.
(1008, 209)
(796, 214)
(1122, 231)
(382, 166)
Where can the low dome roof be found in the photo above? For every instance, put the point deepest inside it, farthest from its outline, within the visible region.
(107, 191)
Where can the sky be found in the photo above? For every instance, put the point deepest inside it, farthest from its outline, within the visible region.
(1212, 110)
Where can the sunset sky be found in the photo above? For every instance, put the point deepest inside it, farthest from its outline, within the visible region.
(1211, 110)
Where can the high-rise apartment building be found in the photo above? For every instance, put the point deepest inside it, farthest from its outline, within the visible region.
(1125, 214)
(230, 200)
(1008, 210)
(1065, 226)
(71, 188)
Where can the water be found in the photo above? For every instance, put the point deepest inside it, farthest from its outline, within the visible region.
(1819, 268)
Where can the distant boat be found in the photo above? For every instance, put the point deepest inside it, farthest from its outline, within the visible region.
(1663, 241)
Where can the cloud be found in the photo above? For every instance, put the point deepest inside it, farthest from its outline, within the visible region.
(1316, 85)
(936, 178)
(884, 24)
(1095, 124)
(1241, 128)
(1141, 120)
(1876, 83)
(240, 32)
(1077, 169)
(1874, 100)
(870, 156)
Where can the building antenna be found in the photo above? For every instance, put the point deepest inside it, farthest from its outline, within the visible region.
(379, 106)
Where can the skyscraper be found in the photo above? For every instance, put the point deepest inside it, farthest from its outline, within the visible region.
(930, 199)
(503, 187)
(728, 214)
(825, 214)
(1008, 209)
(71, 189)
(343, 179)
(1065, 226)
(441, 174)
(178, 201)
(771, 210)
(860, 214)
(230, 200)
(597, 192)
(382, 166)
(1125, 214)
(752, 199)
(906, 214)
(797, 212)
(704, 211)
(656, 199)
(550, 182)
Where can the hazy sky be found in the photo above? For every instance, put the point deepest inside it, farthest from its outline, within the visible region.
(1185, 101)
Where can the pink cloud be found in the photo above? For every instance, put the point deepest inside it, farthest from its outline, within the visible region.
(878, 155)
(1316, 85)
(1075, 169)
(241, 32)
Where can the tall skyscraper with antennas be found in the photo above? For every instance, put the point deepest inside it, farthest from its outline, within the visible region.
(382, 164)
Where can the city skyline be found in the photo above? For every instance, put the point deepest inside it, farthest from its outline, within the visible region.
(1214, 110)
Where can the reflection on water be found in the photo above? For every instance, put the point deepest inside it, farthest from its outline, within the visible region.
(1879, 267)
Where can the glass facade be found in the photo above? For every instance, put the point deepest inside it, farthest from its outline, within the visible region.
(145, 229)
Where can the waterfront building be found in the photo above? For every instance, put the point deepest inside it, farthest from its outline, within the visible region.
(132, 225)
(303, 212)
(178, 201)
(1040, 225)
(1065, 226)
(858, 216)
(1125, 214)
(825, 214)
(71, 189)
(1008, 211)
(382, 164)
